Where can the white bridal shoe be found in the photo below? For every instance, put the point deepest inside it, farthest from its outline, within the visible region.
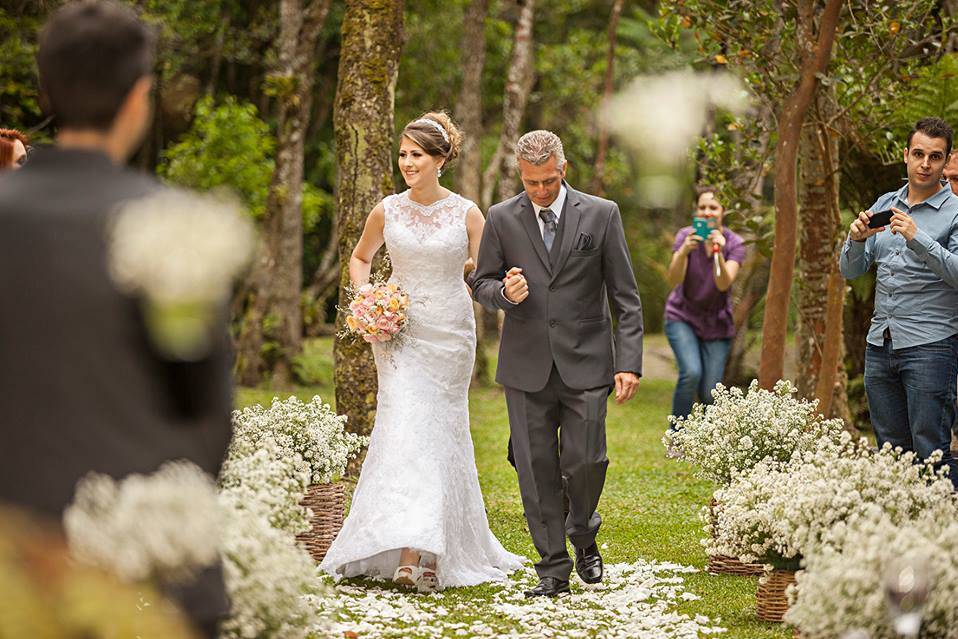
(408, 575)
(427, 580)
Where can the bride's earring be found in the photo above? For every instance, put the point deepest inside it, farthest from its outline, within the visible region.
(439, 172)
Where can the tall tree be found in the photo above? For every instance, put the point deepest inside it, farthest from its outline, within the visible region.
(814, 61)
(363, 123)
(821, 287)
(469, 171)
(598, 188)
(278, 273)
(469, 104)
(502, 167)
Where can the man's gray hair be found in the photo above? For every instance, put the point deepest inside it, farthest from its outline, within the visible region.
(536, 147)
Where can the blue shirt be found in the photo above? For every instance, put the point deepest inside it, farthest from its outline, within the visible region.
(916, 290)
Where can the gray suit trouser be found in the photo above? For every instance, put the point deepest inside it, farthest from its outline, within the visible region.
(558, 440)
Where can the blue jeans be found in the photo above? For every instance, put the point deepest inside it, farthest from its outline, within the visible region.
(701, 365)
(911, 396)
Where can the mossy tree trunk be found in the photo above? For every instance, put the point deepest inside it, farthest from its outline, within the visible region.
(274, 308)
(363, 123)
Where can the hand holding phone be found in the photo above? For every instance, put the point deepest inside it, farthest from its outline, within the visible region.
(880, 219)
(861, 228)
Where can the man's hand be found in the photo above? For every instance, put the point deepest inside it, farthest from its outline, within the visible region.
(903, 223)
(859, 230)
(516, 288)
(625, 386)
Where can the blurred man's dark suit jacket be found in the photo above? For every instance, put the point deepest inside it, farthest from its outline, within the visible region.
(81, 388)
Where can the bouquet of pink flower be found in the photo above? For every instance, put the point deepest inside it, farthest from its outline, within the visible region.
(377, 312)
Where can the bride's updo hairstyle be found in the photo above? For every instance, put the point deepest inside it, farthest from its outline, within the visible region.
(437, 134)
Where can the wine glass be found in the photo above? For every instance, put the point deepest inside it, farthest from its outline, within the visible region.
(907, 584)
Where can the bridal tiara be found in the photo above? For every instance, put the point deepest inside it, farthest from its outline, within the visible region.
(436, 125)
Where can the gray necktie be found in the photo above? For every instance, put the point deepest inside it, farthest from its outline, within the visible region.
(549, 228)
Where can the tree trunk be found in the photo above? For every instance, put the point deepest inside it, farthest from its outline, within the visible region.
(750, 284)
(821, 291)
(792, 116)
(951, 10)
(502, 167)
(278, 276)
(469, 171)
(469, 105)
(598, 187)
(363, 124)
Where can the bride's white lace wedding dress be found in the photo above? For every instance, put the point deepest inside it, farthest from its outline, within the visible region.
(419, 487)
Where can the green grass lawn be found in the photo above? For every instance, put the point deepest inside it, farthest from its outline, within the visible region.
(649, 506)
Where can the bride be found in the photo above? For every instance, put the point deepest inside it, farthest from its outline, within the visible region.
(417, 514)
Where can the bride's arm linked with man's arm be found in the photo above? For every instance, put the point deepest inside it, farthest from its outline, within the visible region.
(488, 280)
(474, 228)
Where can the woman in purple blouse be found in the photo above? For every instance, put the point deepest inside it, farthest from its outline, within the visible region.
(698, 312)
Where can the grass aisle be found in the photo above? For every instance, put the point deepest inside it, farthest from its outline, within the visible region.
(650, 512)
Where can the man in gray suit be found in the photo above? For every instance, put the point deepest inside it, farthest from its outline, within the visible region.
(555, 259)
(83, 388)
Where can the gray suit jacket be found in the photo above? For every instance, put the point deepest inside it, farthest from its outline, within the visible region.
(565, 319)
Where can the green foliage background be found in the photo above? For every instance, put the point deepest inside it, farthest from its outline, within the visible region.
(216, 119)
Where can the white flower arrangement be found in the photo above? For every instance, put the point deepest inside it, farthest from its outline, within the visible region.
(276, 452)
(269, 578)
(164, 525)
(175, 246)
(739, 430)
(841, 590)
(310, 430)
(779, 512)
(269, 483)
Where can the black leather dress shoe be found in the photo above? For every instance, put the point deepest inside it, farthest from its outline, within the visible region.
(549, 587)
(588, 563)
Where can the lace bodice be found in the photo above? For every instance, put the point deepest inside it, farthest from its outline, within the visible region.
(427, 243)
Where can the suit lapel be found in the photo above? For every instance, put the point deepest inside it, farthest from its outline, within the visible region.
(528, 215)
(570, 215)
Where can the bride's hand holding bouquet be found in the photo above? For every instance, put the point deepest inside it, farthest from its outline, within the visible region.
(377, 311)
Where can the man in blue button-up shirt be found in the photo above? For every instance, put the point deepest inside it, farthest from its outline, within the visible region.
(911, 358)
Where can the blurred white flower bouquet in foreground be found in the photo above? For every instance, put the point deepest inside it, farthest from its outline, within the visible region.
(162, 526)
(180, 252)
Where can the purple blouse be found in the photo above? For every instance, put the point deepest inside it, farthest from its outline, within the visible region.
(697, 300)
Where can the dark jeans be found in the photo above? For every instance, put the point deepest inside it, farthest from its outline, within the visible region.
(701, 365)
(911, 396)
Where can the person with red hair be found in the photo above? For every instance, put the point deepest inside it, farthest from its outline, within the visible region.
(13, 149)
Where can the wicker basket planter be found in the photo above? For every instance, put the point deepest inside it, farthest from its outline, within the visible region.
(725, 565)
(328, 503)
(770, 600)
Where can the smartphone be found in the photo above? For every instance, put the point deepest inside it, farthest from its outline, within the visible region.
(880, 218)
(700, 226)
